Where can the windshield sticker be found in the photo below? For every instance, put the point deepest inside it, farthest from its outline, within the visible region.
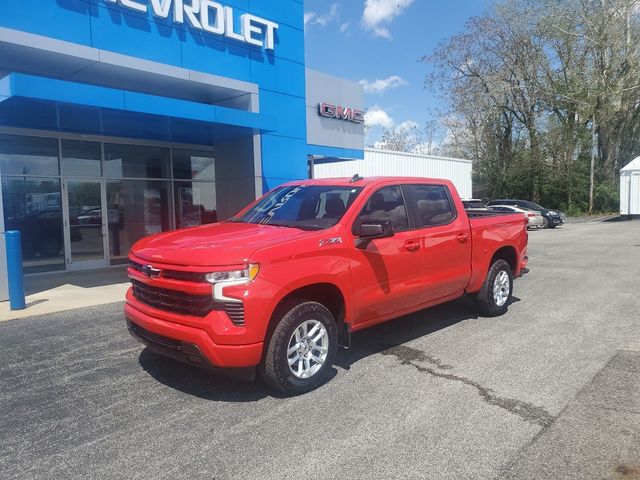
(269, 215)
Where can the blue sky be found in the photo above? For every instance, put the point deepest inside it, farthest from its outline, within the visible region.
(384, 40)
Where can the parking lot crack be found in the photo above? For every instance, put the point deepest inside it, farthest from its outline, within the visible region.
(527, 411)
(408, 354)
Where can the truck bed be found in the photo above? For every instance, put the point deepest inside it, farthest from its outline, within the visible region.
(473, 213)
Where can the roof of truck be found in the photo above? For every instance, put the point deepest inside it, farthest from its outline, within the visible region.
(362, 181)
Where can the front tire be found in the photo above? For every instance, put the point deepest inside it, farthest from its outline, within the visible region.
(494, 296)
(545, 222)
(301, 350)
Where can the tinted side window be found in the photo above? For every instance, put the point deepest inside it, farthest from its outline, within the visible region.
(386, 205)
(432, 203)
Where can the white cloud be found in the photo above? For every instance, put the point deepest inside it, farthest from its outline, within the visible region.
(322, 20)
(407, 125)
(308, 17)
(344, 28)
(379, 12)
(377, 117)
(379, 86)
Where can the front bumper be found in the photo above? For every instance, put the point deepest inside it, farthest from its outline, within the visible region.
(555, 221)
(187, 343)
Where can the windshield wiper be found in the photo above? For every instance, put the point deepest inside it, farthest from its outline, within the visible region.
(288, 225)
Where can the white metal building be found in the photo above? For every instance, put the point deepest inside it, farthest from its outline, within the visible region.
(630, 188)
(389, 163)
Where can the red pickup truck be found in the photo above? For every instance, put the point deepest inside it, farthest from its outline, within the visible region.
(282, 283)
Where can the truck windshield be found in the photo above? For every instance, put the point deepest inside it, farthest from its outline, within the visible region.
(308, 207)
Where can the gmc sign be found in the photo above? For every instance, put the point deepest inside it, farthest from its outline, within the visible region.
(340, 113)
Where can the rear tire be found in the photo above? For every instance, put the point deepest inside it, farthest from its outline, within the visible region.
(494, 296)
(301, 350)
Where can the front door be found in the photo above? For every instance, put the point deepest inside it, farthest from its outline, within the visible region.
(387, 272)
(85, 224)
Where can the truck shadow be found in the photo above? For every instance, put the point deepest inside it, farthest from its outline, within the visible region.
(405, 329)
(199, 382)
(216, 387)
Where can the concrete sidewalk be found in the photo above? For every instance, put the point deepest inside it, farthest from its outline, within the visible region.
(68, 290)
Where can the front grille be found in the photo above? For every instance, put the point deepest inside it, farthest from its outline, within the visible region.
(174, 300)
(184, 276)
(185, 303)
(173, 274)
(235, 311)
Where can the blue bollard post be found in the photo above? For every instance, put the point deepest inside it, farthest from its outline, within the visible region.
(14, 270)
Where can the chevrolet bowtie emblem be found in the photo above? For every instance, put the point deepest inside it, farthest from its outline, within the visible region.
(150, 271)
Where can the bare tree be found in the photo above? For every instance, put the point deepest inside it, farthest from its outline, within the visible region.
(534, 87)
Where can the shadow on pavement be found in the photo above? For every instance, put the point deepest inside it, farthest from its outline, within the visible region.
(405, 329)
(199, 382)
(214, 386)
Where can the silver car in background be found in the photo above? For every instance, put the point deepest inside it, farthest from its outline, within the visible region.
(534, 219)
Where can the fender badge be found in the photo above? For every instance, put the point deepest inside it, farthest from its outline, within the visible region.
(330, 241)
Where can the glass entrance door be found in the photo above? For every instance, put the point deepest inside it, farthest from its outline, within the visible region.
(85, 224)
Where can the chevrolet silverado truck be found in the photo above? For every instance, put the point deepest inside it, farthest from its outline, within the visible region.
(280, 285)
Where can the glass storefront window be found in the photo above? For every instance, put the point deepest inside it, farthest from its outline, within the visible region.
(122, 161)
(193, 165)
(135, 209)
(21, 155)
(81, 159)
(33, 206)
(140, 187)
(195, 203)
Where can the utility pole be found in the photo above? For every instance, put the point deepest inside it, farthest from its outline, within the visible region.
(594, 149)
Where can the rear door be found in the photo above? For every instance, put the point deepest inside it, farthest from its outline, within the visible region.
(386, 274)
(445, 237)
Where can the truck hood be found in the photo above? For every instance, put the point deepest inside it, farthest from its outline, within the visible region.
(223, 243)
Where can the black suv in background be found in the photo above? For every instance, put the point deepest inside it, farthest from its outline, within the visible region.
(552, 218)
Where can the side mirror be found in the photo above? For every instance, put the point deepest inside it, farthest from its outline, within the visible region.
(370, 231)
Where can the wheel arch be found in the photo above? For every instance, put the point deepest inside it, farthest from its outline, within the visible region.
(509, 254)
(326, 293)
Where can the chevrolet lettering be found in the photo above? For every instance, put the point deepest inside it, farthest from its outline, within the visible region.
(211, 17)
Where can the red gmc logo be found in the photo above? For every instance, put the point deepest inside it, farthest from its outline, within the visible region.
(341, 113)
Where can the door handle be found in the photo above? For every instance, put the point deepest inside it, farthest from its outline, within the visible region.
(412, 245)
(462, 237)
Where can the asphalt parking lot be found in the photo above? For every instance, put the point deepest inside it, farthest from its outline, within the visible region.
(550, 390)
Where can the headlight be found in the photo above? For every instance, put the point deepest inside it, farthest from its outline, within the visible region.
(553, 214)
(246, 274)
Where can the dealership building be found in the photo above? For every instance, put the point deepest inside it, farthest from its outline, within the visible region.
(123, 118)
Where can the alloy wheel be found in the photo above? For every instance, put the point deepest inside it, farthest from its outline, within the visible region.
(501, 288)
(308, 349)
